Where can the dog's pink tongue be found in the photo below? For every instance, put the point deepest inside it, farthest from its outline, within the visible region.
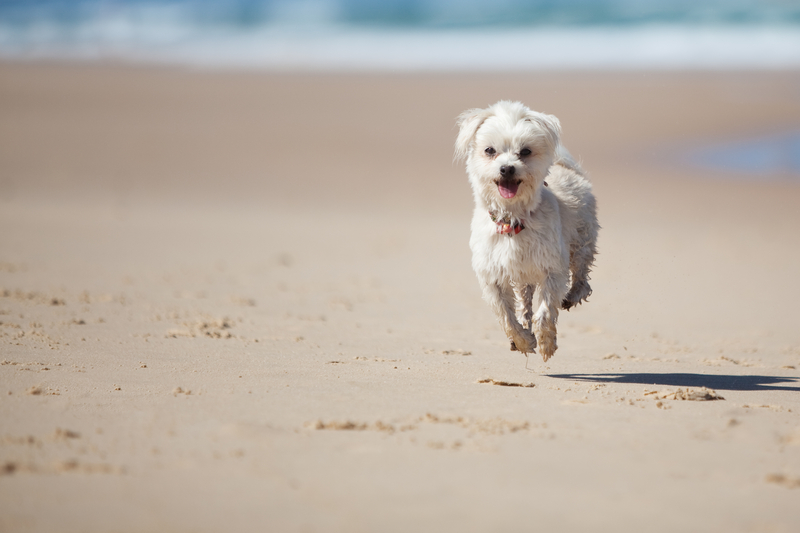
(508, 190)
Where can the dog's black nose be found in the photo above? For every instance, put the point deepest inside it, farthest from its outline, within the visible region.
(507, 171)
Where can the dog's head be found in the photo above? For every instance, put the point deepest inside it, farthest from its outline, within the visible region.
(508, 149)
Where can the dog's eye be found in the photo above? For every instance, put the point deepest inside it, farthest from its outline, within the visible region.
(490, 151)
(524, 152)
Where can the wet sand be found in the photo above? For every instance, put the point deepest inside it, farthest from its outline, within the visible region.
(243, 301)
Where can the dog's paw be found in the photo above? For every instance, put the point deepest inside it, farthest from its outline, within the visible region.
(546, 337)
(525, 342)
(547, 347)
(577, 294)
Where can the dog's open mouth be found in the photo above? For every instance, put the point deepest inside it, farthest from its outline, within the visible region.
(507, 187)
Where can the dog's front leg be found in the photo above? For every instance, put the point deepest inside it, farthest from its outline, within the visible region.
(550, 293)
(524, 296)
(501, 299)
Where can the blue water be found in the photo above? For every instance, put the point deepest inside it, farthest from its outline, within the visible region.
(409, 13)
(403, 35)
(772, 155)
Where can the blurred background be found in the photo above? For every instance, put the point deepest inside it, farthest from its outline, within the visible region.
(415, 63)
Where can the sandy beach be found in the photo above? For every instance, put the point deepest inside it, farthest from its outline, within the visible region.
(242, 301)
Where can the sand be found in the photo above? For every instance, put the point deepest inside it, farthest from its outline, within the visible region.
(237, 301)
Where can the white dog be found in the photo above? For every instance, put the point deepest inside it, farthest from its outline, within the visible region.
(535, 222)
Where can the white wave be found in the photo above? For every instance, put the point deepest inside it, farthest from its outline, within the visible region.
(340, 48)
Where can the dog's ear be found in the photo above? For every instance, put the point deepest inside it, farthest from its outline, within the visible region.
(468, 123)
(550, 125)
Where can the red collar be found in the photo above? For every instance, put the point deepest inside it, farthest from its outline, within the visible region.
(505, 226)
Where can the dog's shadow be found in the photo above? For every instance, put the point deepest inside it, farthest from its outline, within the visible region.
(710, 381)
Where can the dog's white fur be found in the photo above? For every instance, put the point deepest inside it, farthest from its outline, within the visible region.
(553, 255)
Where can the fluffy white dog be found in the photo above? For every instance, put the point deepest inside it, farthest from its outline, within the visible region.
(534, 230)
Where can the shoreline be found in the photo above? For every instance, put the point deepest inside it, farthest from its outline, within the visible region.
(325, 47)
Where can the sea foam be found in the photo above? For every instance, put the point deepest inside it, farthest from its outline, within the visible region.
(401, 35)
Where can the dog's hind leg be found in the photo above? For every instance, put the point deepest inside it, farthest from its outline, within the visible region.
(502, 301)
(580, 264)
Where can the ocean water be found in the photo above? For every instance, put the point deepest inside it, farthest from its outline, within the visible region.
(768, 157)
(409, 35)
